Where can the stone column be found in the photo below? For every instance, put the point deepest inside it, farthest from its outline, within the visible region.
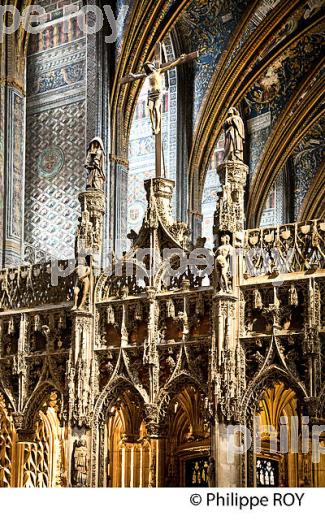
(226, 380)
(229, 215)
(157, 462)
(90, 231)
(12, 173)
(118, 204)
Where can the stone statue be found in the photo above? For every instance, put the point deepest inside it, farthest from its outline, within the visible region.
(258, 303)
(154, 72)
(154, 75)
(222, 263)
(293, 296)
(95, 165)
(80, 464)
(110, 315)
(211, 472)
(234, 136)
(82, 284)
(170, 308)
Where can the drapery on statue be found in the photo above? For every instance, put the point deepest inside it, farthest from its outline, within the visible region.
(234, 136)
(80, 463)
(95, 165)
(154, 72)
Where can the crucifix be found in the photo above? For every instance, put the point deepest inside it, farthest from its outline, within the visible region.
(154, 72)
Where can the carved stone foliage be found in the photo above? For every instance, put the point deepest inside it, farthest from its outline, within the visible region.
(229, 215)
(107, 361)
(285, 353)
(281, 308)
(109, 325)
(167, 363)
(7, 441)
(31, 286)
(8, 379)
(37, 458)
(9, 336)
(42, 453)
(286, 248)
(89, 239)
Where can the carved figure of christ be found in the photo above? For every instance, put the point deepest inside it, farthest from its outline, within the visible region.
(154, 72)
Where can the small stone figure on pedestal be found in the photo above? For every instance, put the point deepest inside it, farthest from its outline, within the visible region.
(234, 136)
(222, 264)
(80, 463)
(82, 284)
(95, 165)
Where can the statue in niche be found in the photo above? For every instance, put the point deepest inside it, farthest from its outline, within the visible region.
(110, 315)
(95, 165)
(293, 296)
(258, 303)
(170, 309)
(82, 284)
(234, 136)
(80, 463)
(211, 472)
(222, 263)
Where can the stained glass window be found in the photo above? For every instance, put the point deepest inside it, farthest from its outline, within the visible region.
(210, 191)
(266, 473)
(197, 472)
(273, 211)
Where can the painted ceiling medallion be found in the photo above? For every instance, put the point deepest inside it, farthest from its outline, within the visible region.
(50, 162)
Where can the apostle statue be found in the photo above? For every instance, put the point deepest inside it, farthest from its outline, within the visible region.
(95, 165)
(80, 463)
(234, 136)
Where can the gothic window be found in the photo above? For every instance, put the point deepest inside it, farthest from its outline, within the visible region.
(142, 145)
(266, 473)
(274, 208)
(210, 193)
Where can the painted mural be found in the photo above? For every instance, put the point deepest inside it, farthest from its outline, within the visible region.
(267, 98)
(307, 159)
(208, 25)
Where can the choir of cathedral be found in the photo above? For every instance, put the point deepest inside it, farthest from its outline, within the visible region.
(162, 296)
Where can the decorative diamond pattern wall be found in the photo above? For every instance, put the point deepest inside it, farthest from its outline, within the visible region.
(51, 206)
